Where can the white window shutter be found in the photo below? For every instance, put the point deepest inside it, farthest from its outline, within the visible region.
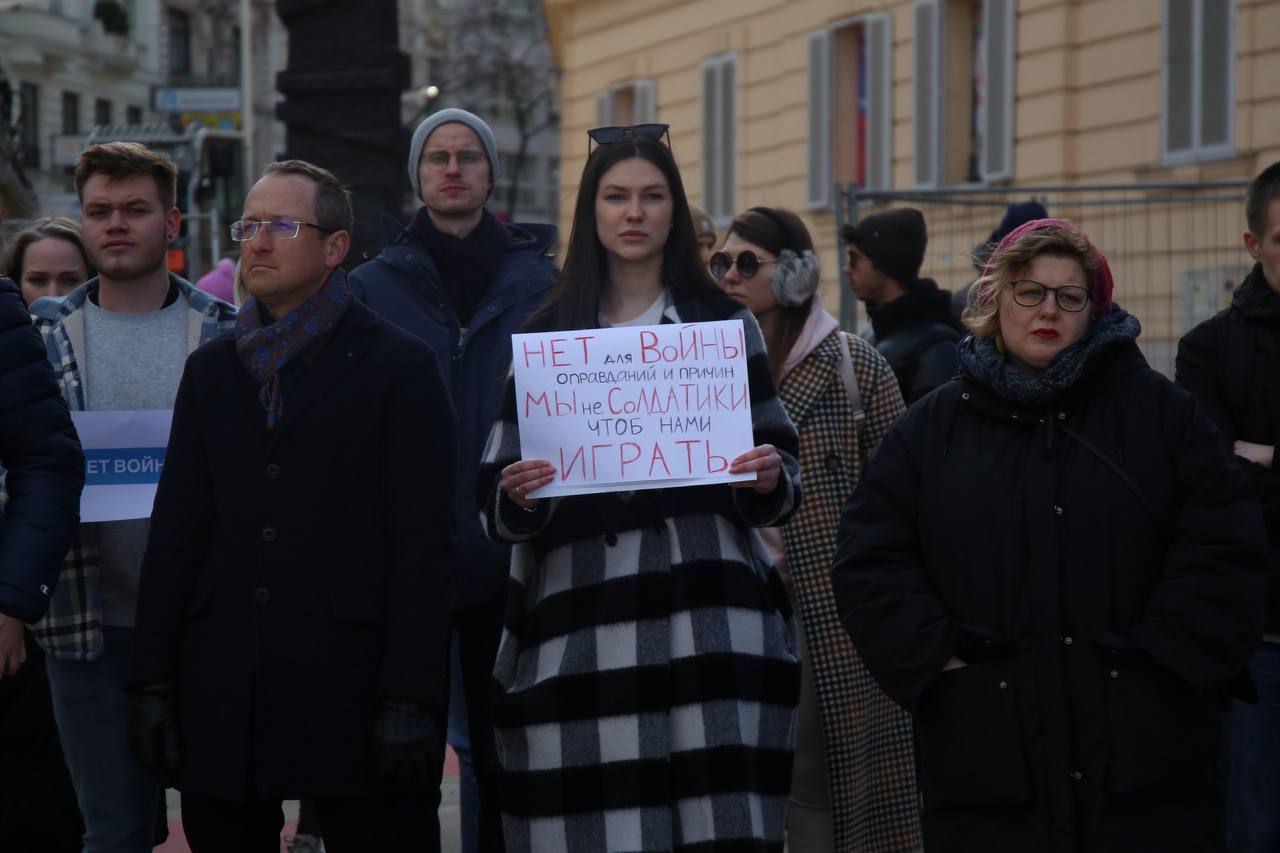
(928, 95)
(879, 137)
(711, 143)
(729, 137)
(604, 108)
(1216, 108)
(999, 27)
(820, 109)
(1179, 86)
(645, 100)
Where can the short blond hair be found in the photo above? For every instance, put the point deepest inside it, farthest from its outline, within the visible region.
(982, 306)
(119, 160)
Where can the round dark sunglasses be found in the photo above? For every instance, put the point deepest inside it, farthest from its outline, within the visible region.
(748, 264)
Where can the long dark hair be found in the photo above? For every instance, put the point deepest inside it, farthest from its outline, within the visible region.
(774, 229)
(574, 301)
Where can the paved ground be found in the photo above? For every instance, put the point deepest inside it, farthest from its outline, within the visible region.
(450, 817)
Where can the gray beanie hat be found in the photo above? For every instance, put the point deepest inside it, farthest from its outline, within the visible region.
(431, 122)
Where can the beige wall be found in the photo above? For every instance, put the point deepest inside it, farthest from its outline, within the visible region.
(1087, 108)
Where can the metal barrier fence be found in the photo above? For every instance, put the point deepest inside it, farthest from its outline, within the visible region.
(1175, 249)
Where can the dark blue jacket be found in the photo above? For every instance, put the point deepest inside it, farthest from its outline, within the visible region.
(403, 285)
(44, 467)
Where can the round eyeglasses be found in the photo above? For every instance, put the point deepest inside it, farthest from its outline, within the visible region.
(244, 230)
(747, 262)
(1029, 293)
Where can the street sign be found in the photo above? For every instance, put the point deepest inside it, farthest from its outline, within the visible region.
(202, 99)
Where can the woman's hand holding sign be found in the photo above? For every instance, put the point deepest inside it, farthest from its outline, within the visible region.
(767, 464)
(520, 478)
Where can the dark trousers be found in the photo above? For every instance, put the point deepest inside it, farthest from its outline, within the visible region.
(350, 826)
(478, 630)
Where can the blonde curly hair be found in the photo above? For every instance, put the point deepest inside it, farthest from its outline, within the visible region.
(981, 314)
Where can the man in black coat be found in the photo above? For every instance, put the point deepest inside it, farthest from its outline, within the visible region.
(44, 474)
(302, 534)
(911, 321)
(1230, 362)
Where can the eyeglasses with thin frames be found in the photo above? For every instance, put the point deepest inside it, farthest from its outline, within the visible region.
(244, 230)
(610, 134)
(1029, 293)
(468, 158)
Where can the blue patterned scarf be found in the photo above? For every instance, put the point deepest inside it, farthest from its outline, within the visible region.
(266, 350)
(986, 365)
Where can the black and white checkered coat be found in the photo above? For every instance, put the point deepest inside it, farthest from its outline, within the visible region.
(647, 669)
(870, 764)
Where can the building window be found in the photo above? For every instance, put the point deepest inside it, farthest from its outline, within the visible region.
(629, 103)
(133, 116)
(553, 186)
(719, 137)
(1199, 79)
(530, 172)
(963, 99)
(29, 122)
(70, 113)
(102, 112)
(850, 108)
(179, 42)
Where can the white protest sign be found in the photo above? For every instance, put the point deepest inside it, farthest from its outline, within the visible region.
(124, 455)
(635, 407)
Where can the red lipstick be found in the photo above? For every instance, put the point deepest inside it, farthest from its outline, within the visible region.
(1047, 334)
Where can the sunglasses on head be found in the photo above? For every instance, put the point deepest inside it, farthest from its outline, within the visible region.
(748, 264)
(613, 133)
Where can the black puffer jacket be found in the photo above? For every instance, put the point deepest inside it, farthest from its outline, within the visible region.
(43, 463)
(1230, 362)
(1099, 564)
(917, 335)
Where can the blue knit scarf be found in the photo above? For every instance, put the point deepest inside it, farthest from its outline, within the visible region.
(986, 365)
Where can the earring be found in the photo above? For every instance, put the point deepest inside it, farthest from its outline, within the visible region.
(999, 343)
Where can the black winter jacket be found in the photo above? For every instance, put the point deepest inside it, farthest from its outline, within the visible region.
(295, 577)
(1230, 362)
(403, 285)
(1099, 564)
(43, 466)
(917, 335)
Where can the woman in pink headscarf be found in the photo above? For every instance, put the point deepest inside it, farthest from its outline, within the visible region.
(1052, 563)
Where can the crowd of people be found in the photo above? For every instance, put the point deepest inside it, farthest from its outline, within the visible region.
(993, 583)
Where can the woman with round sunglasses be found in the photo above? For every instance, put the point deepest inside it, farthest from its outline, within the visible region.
(853, 785)
(1053, 564)
(647, 675)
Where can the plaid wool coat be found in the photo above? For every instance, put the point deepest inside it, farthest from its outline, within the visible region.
(870, 763)
(647, 667)
(72, 629)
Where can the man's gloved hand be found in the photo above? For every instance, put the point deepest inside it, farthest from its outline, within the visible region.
(153, 730)
(406, 744)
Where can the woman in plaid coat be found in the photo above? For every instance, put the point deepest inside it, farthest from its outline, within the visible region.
(647, 669)
(854, 785)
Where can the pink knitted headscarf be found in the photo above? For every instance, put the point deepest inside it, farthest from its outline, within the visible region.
(1100, 286)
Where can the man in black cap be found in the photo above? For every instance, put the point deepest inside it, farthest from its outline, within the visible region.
(911, 321)
(1017, 213)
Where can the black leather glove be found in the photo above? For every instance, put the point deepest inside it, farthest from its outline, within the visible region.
(406, 743)
(153, 731)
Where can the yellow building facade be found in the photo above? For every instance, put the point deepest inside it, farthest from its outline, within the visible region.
(1139, 119)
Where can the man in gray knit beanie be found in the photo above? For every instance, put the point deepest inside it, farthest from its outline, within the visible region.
(464, 282)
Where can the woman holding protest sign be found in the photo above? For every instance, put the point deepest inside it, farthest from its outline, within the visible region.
(647, 667)
(854, 784)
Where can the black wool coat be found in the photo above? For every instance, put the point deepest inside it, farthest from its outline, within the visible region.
(295, 577)
(1099, 563)
(1229, 362)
